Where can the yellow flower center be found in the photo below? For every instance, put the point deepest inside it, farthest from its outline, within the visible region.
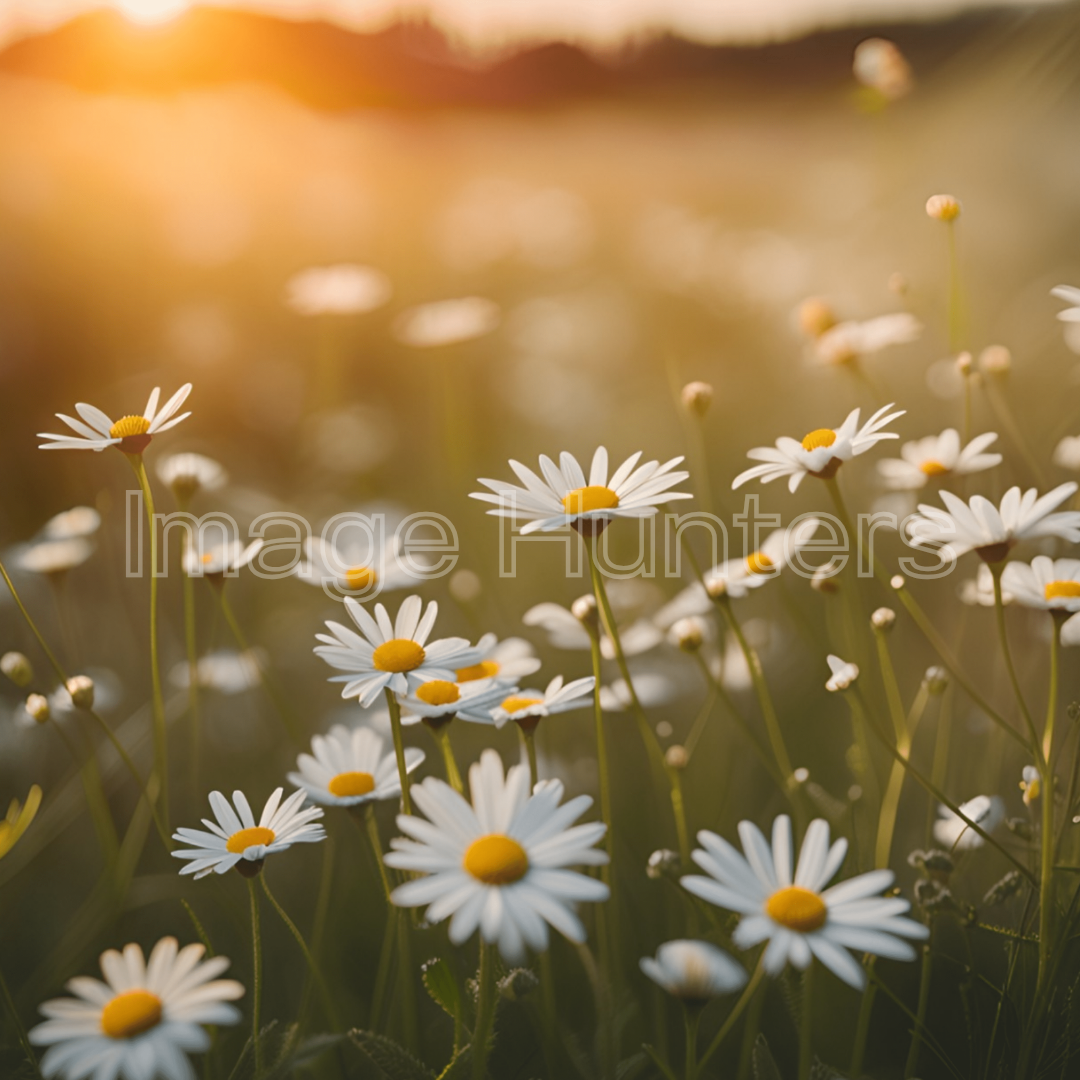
(484, 670)
(797, 908)
(360, 577)
(208, 558)
(347, 784)
(819, 437)
(130, 1014)
(397, 655)
(1062, 590)
(127, 426)
(515, 704)
(582, 500)
(496, 860)
(759, 563)
(240, 841)
(438, 692)
(934, 468)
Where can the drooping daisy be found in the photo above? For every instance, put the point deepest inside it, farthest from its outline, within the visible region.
(954, 833)
(359, 562)
(142, 1021)
(529, 707)
(500, 864)
(846, 342)
(213, 558)
(55, 556)
(565, 497)
(188, 474)
(131, 434)
(821, 452)
(17, 820)
(844, 673)
(1051, 584)
(348, 768)
(395, 656)
(936, 455)
(344, 289)
(798, 916)
(507, 661)
(235, 840)
(78, 522)
(565, 631)
(694, 971)
(440, 699)
(990, 531)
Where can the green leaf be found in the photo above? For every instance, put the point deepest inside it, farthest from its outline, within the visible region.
(440, 983)
(460, 1067)
(391, 1061)
(764, 1064)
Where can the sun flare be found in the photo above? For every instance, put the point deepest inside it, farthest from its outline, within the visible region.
(150, 12)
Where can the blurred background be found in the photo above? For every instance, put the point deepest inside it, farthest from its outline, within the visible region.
(642, 194)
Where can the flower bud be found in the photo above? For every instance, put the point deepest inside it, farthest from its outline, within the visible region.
(936, 679)
(815, 317)
(995, 360)
(931, 895)
(716, 587)
(897, 582)
(17, 668)
(464, 586)
(37, 706)
(676, 757)
(1031, 784)
(81, 689)
(1008, 886)
(697, 397)
(663, 863)
(584, 609)
(943, 207)
(688, 634)
(823, 580)
(518, 984)
(883, 618)
(965, 364)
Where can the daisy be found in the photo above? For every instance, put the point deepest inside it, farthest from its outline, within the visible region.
(1067, 453)
(188, 474)
(565, 497)
(224, 670)
(991, 531)
(506, 661)
(55, 556)
(358, 561)
(217, 559)
(936, 455)
(565, 631)
(345, 289)
(845, 342)
(440, 699)
(350, 768)
(1030, 784)
(979, 590)
(500, 864)
(843, 673)
(1070, 632)
(79, 522)
(797, 915)
(528, 707)
(392, 656)
(694, 971)
(1071, 295)
(131, 434)
(143, 1020)
(821, 452)
(954, 833)
(447, 322)
(17, 820)
(651, 688)
(1051, 584)
(235, 840)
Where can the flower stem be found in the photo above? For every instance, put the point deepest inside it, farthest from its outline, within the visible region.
(692, 1017)
(920, 1014)
(603, 766)
(940, 767)
(399, 749)
(453, 773)
(485, 1011)
(999, 607)
(322, 905)
(806, 1023)
(862, 1028)
(528, 740)
(1048, 845)
(372, 827)
(256, 980)
(191, 646)
(890, 800)
(733, 1016)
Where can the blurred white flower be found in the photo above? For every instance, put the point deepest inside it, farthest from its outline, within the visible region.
(536, 704)
(979, 590)
(953, 833)
(847, 341)
(345, 289)
(131, 434)
(694, 971)
(565, 631)
(188, 474)
(844, 673)
(443, 699)
(1030, 784)
(506, 661)
(1050, 584)
(224, 670)
(76, 523)
(879, 64)
(208, 557)
(359, 560)
(1067, 453)
(1071, 295)
(54, 556)
(651, 688)
(936, 455)
(447, 322)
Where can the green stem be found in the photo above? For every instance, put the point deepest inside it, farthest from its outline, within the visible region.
(549, 1016)
(862, 1027)
(20, 1030)
(692, 1016)
(372, 827)
(806, 1024)
(406, 982)
(890, 802)
(399, 748)
(920, 1014)
(191, 646)
(324, 990)
(733, 1016)
(528, 740)
(382, 973)
(1003, 637)
(256, 981)
(956, 313)
(485, 1011)
(603, 765)
(50, 655)
(940, 766)
(441, 735)
(604, 1011)
(1047, 845)
(750, 1034)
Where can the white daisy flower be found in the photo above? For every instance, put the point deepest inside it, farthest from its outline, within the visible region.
(936, 455)
(351, 767)
(499, 865)
(142, 1021)
(442, 699)
(991, 531)
(54, 556)
(506, 661)
(344, 289)
(564, 496)
(979, 590)
(188, 474)
(1030, 784)
(359, 562)
(235, 840)
(1070, 632)
(395, 656)
(534, 705)
(651, 688)
(1071, 295)
(694, 971)
(1067, 453)
(131, 434)
(844, 673)
(955, 834)
(208, 557)
(447, 322)
(798, 916)
(821, 452)
(847, 341)
(80, 522)
(1051, 584)
(224, 670)
(564, 630)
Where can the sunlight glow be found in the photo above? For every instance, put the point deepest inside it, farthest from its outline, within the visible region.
(151, 11)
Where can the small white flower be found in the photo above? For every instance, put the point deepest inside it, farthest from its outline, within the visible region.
(979, 591)
(359, 562)
(847, 341)
(447, 322)
(224, 670)
(565, 631)
(821, 452)
(500, 864)
(78, 522)
(395, 656)
(844, 673)
(209, 557)
(991, 531)
(651, 688)
(345, 289)
(536, 704)
(796, 914)
(506, 661)
(879, 64)
(55, 556)
(235, 838)
(131, 434)
(694, 971)
(936, 455)
(1030, 784)
(142, 1021)
(1050, 584)
(954, 833)
(352, 767)
(1070, 632)
(188, 474)
(565, 497)
(1071, 295)
(441, 698)
(1067, 453)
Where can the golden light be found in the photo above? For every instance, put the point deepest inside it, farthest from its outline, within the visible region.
(149, 12)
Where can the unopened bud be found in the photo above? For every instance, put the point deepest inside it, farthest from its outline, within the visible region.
(815, 317)
(943, 207)
(932, 895)
(933, 862)
(716, 587)
(883, 618)
(995, 360)
(688, 634)
(897, 582)
(518, 984)
(81, 689)
(965, 364)
(663, 863)
(697, 397)
(676, 757)
(1008, 886)
(823, 580)
(936, 679)
(465, 586)
(801, 775)
(17, 668)
(37, 706)
(584, 609)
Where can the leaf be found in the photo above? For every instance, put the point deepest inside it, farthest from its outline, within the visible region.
(440, 983)
(460, 1066)
(392, 1062)
(764, 1064)
(293, 1055)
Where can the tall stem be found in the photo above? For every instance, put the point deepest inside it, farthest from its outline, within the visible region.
(256, 989)
(372, 827)
(528, 740)
(1003, 637)
(191, 647)
(485, 1011)
(453, 773)
(920, 1014)
(399, 748)
(1048, 845)
(733, 1016)
(862, 1028)
(806, 1024)
(20, 1030)
(890, 801)
(692, 1016)
(603, 766)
